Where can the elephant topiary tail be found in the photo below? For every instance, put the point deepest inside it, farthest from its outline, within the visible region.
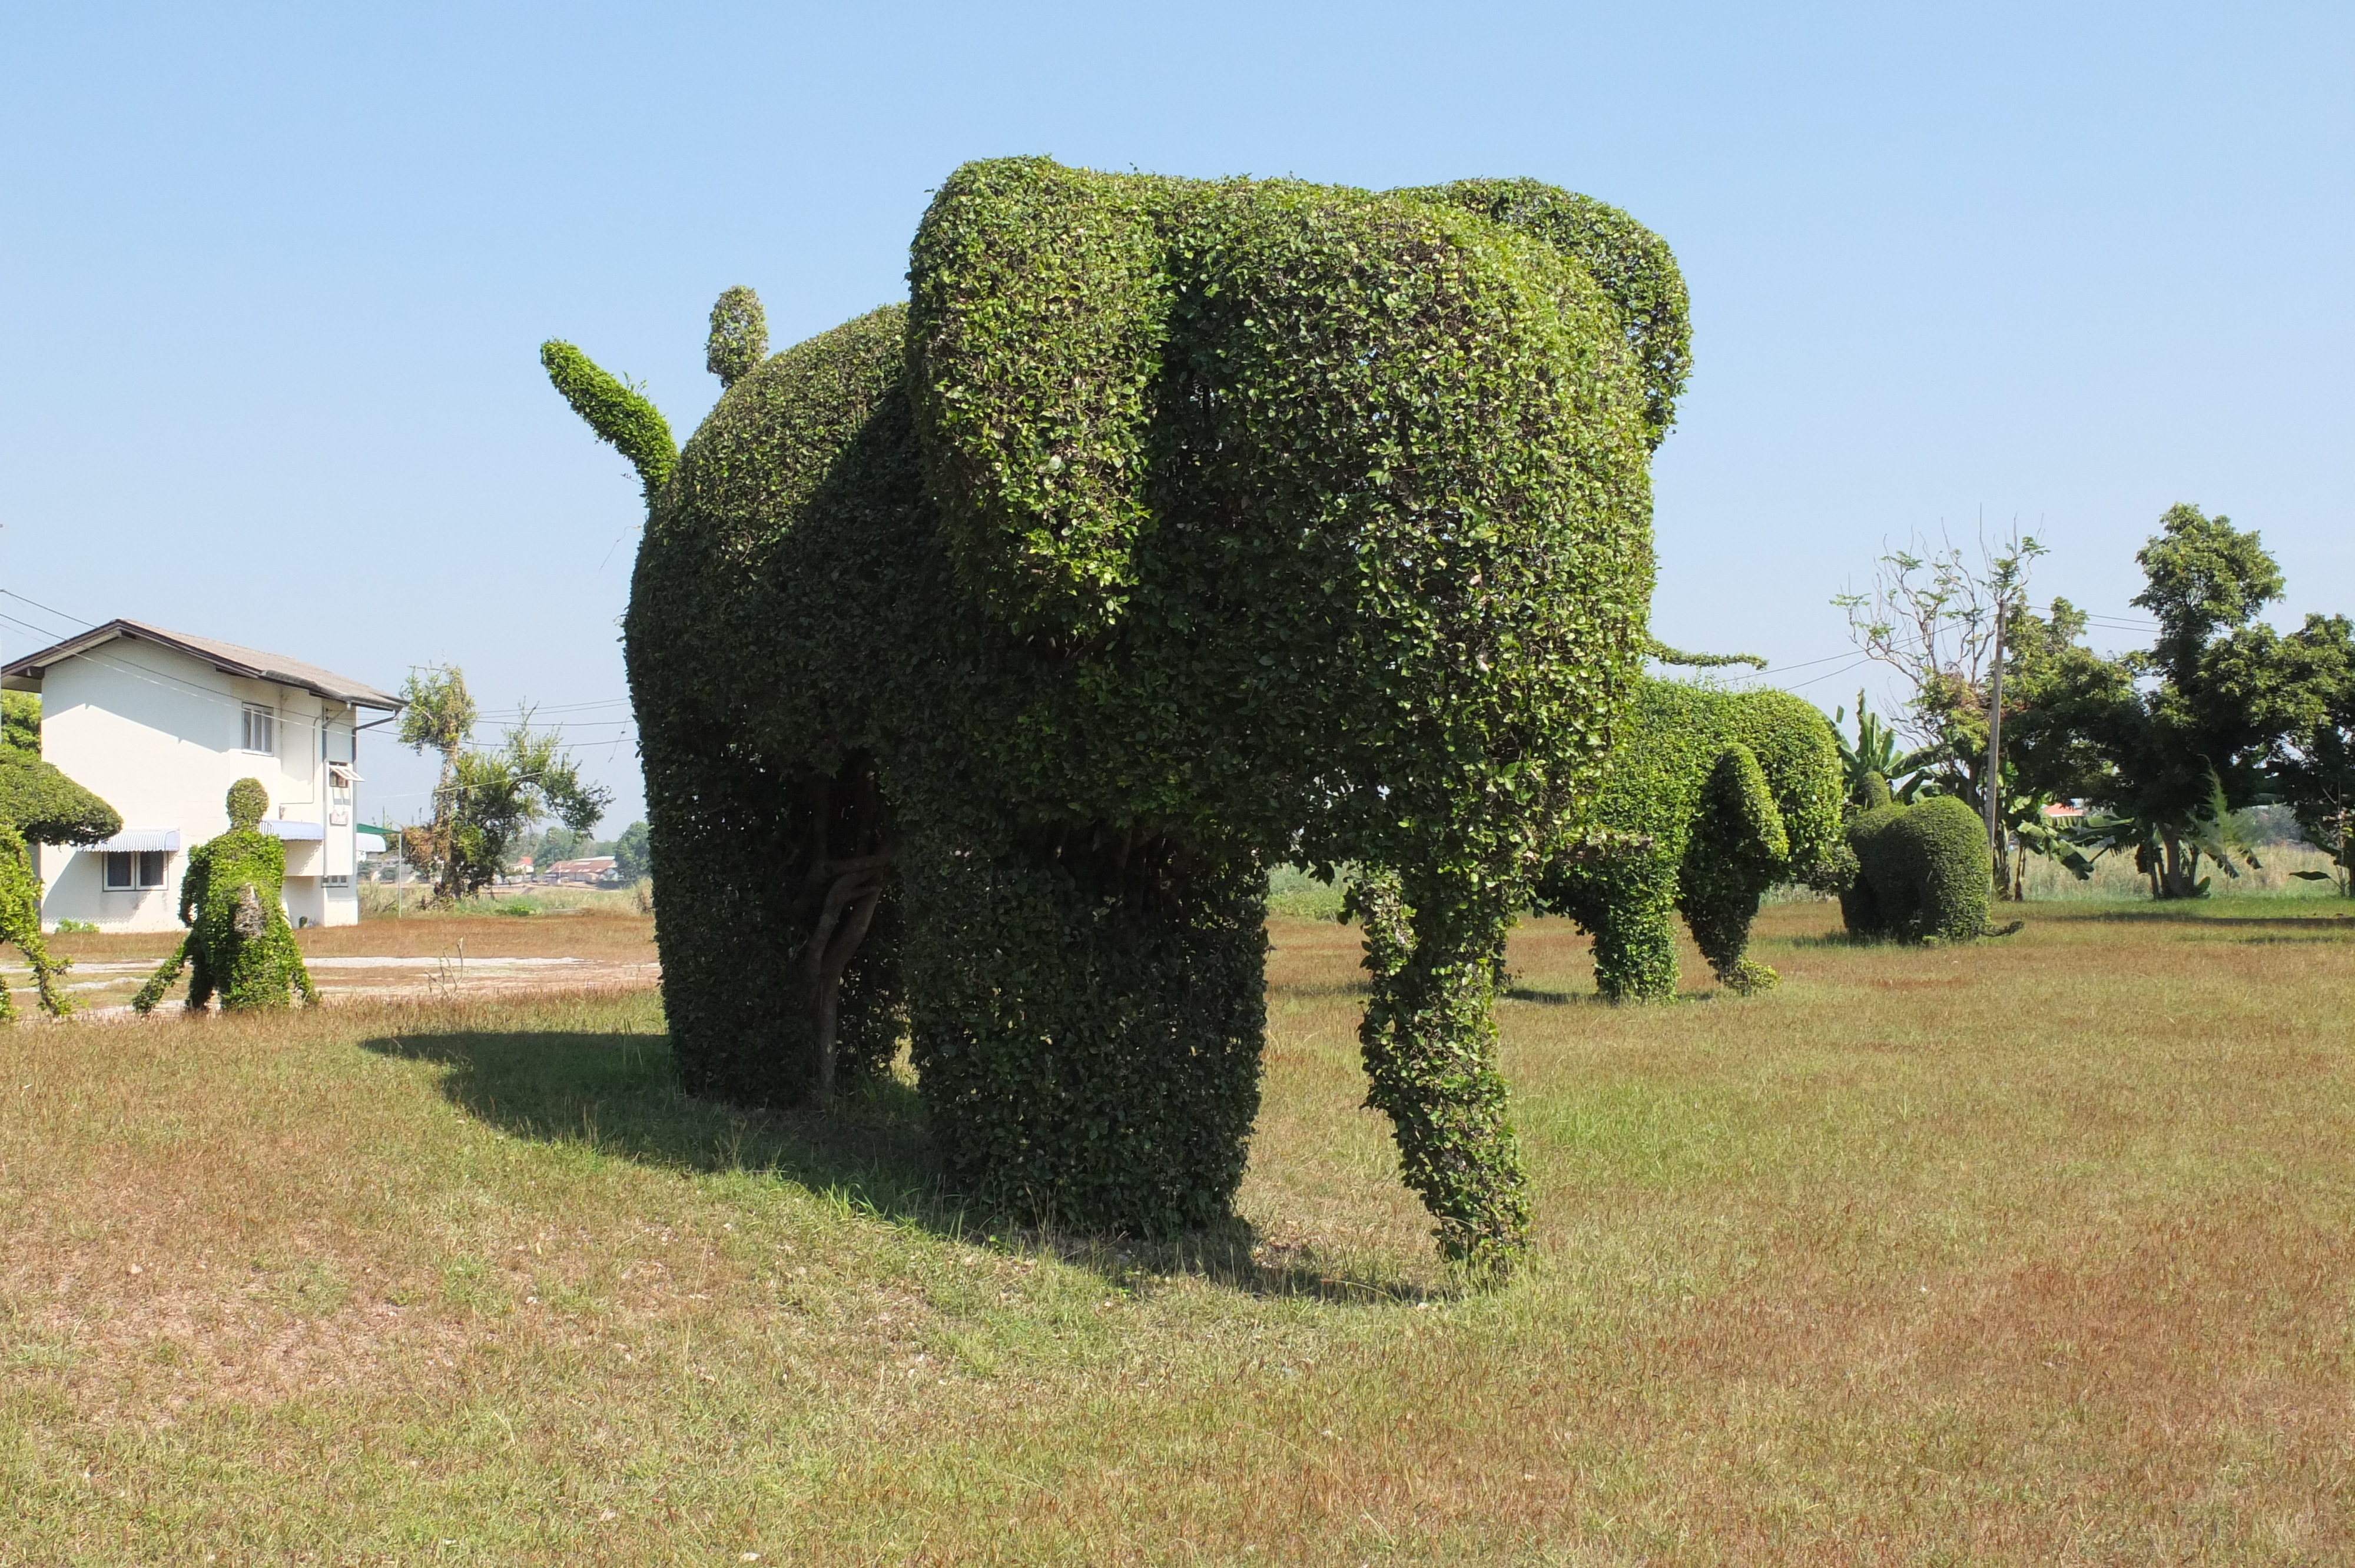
(617, 411)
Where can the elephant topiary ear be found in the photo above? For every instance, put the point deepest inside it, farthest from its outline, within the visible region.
(1038, 309)
(1632, 265)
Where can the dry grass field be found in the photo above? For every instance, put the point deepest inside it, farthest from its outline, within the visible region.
(2038, 1250)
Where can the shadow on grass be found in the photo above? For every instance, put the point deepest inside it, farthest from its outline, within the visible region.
(1595, 998)
(614, 1092)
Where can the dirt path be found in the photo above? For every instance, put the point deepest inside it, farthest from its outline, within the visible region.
(102, 988)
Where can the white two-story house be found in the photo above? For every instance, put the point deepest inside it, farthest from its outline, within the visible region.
(159, 724)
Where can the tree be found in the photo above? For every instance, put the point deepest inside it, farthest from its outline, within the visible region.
(485, 799)
(20, 721)
(633, 853)
(558, 842)
(2170, 740)
(1945, 624)
(2313, 766)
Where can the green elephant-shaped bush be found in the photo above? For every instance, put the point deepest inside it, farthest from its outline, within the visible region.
(239, 943)
(1923, 871)
(1711, 797)
(986, 649)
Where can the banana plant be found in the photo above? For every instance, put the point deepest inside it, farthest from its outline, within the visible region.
(1875, 751)
(2208, 829)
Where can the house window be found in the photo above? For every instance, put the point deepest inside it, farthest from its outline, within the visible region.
(130, 871)
(260, 732)
(332, 880)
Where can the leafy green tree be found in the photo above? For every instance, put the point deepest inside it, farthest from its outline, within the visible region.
(487, 800)
(633, 851)
(1946, 624)
(2168, 742)
(558, 842)
(2313, 766)
(20, 721)
(1932, 617)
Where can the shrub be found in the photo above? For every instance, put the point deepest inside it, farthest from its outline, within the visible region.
(986, 651)
(48, 808)
(1925, 873)
(1711, 797)
(231, 898)
(39, 805)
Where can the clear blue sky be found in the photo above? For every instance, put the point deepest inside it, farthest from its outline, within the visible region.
(272, 279)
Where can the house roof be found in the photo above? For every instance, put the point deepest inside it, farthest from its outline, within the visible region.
(227, 657)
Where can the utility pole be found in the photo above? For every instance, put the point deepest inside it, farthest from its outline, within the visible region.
(1993, 789)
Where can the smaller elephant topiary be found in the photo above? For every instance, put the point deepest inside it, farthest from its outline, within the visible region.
(239, 943)
(1711, 797)
(39, 805)
(1923, 871)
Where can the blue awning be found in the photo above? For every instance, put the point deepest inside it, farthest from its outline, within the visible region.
(135, 839)
(278, 828)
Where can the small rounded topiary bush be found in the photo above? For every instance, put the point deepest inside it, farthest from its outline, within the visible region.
(1923, 872)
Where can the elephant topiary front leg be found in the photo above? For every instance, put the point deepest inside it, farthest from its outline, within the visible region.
(1087, 1020)
(1634, 925)
(1435, 947)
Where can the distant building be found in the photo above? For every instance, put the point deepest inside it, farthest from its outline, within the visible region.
(588, 869)
(160, 724)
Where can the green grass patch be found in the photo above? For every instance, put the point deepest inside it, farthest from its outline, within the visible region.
(2027, 1251)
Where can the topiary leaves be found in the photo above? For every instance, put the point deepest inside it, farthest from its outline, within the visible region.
(740, 335)
(1633, 266)
(1038, 307)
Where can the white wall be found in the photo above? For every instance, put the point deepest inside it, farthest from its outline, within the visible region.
(157, 735)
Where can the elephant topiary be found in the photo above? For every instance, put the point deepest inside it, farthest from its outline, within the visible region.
(239, 942)
(1923, 871)
(985, 650)
(38, 804)
(1711, 797)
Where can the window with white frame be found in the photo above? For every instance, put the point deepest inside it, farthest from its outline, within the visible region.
(133, 871)
(261, 730)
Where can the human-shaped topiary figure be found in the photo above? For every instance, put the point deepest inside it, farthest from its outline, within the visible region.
(39, 805)
(1711, 797)
(1923, 872)
(986, 649)
(239, 942)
